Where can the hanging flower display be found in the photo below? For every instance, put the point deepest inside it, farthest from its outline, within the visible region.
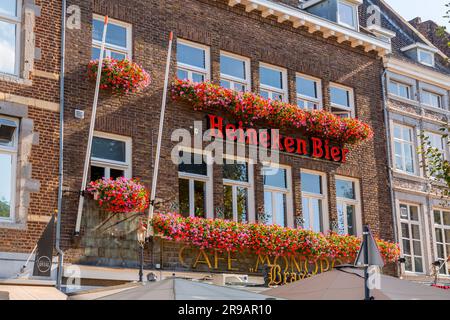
(252, 109)
(272, 240)
(119, 196)
(119, 76)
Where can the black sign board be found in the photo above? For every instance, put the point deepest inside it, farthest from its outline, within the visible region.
(44, 252)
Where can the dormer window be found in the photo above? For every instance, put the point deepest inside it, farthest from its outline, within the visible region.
(347, 14)
(422, 53)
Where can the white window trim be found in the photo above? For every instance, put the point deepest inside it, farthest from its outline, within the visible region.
(422, 62)
(250, 186)
(208, 179)
(189, 68)
(318, 100)
(441, 227)
(398, 84)
(344, 109)
(17, 21)
(110, 47)
(356, 202)
(409, 222)
(287, 191)
(413, 143)
(271, 89)
(233, 80)
(440, 99)
(355, 15)
(111, 164)
(323, 197)
(13, 152)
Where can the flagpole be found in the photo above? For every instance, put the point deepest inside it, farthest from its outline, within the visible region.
(91, 129)
(366, 263)
(158, 146)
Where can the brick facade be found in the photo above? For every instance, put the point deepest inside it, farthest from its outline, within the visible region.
(232, 29)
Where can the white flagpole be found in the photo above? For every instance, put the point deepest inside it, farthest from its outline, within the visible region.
(91, 129)
(158, 146)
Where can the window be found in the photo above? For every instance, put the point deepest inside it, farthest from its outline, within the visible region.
(400, 89)
(404, 148)
(118, 39)
(425, 57)
(431, 99)
(192, 61)
(314, 201)
(309, 93)
(110, 156)
(234, 72)
(277, 190)
(10, 27)
(273, 82)
(348, 206)
(442, 238)
(194, 185)
(342, 103)
(347, 14)
(237, 190)
(411, 243)
(8, 159)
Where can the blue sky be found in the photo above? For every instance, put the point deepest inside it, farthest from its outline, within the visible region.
(426, 9)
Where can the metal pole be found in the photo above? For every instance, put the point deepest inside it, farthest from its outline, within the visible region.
(366, 263)
(158, 146)
(141, 263)
(91, 129)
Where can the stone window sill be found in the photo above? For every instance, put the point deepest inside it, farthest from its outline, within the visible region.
(15, 79)
(5, 224)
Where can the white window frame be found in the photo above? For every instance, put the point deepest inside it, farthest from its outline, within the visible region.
(236, 80)
(398, 85)
(17, 21)
(419, 51)
(355, 15)
(208, 179)
(114, 48)
(287, 191)
(12, 150)
(250, 186)
(343, 110)
(305, 98)
(440, 99)
(111, 164)
(193, 69)
(323, 197)
(355, 202)
(273, 90)
(441, 227)
(409, 222)
(402, 141)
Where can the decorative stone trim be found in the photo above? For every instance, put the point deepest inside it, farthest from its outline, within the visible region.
(42, 104)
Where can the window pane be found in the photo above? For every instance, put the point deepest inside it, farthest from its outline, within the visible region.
(438, 233)
(264, 94)
(183, 197)
(351, 224)
(271, 77)
(242, 204)
(447, 237)
(7, 130)
(407, 134)
(414, 213)
(192, 56)
(280, 208)
(415, 230)
(199, 199)
(437, 217)
(346, 14)
(8, 7)
(192, 163)
(345, 189)
(225, 84)
(393, 88)
(417, 248)
(232, 67)
(340, 96)
(404, 212)
(425, 57)
(405, 230)
(109, 149)
(446, 216)
(6, 166)
(198, 77)
(317, 215)
(311, 183)
(97, 173)
(406, 247)
(408, 264)
(418, 264)
(115, 34)
(268, 215)
(236, 171)
(114, 173)
(409, 158)
(95, 53)
(7, 47)
(275, 177)
(239, 87)
(307, 87)
(228, 202)
(182, 74)
(403, 91)
(117, 55)
(440, 251)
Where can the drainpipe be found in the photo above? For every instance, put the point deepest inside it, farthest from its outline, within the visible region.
(388, 142)
(61, 147)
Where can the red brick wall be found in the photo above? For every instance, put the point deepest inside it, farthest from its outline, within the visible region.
(215, 24)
